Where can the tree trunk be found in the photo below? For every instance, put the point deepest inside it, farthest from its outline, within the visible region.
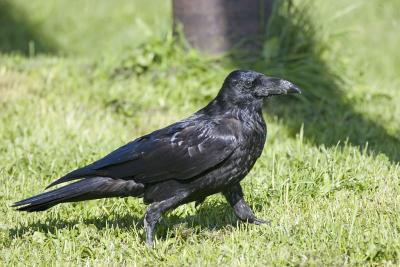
(217, 26)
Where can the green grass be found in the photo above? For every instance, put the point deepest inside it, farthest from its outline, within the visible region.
(87, 27)
(328, 178)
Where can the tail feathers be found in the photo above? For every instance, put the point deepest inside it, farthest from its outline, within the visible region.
(85, 189)
(75, 175)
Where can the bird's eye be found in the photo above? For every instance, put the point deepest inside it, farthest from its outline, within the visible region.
(248, 83)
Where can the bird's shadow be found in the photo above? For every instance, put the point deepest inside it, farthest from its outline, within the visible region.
(208, 216)
(293, 50)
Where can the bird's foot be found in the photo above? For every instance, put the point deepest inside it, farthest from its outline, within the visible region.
(149, 241)
(258, 221)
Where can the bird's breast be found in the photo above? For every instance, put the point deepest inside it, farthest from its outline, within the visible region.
(248, 151)
(255, 134)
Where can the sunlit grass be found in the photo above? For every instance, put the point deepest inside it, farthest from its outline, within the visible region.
(328, 178)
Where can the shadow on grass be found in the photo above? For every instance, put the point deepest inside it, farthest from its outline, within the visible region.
(17, 34)
(292, 50)
(53, 225)
(209, 216)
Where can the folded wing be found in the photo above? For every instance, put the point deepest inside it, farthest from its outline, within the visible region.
(180, 151)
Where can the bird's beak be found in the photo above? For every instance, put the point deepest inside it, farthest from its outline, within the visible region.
(271, 86)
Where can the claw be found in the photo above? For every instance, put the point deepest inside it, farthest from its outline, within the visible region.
(257, 221)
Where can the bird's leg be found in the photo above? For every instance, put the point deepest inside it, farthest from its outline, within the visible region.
(234, 195)
(154, 213)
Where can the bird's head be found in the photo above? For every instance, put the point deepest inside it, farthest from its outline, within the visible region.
(247, 87)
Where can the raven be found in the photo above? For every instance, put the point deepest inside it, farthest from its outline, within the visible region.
(209, 152)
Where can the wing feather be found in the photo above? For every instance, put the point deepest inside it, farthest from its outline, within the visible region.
(180, 151)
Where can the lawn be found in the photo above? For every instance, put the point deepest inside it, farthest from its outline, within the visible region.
(79, 80)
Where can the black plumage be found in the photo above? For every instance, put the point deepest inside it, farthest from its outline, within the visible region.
(206, 153)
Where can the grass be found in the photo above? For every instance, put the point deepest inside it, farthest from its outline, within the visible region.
(56, 28)
(328, 178)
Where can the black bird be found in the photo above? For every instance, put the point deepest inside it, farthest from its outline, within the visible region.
(206, 153)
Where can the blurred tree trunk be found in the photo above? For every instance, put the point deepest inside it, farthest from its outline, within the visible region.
(216, 26)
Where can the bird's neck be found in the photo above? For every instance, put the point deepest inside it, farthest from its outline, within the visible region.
(242, 111)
